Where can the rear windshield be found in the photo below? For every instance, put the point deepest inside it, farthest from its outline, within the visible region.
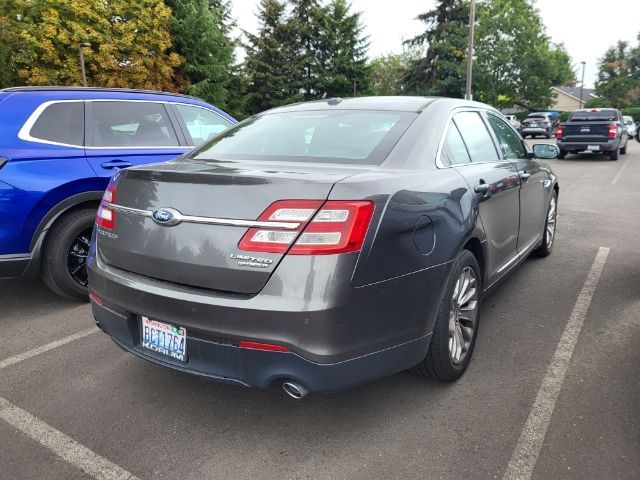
(336, 136)
(598, 116)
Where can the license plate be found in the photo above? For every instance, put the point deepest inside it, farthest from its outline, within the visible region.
(593, 148)
(163, 338)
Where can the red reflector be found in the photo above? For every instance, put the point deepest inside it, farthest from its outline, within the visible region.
(560, 131)
(262, 346)
(106, 217)
(95, 299)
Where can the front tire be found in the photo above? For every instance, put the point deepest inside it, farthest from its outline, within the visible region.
(623, 150)
(456, 328)
(549, 234)
(66, 247)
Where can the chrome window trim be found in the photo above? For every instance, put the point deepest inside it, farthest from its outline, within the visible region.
(443, 137)
(209, 220)
(25, 131)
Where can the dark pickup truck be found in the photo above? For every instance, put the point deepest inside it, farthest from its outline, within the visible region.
(597, 130)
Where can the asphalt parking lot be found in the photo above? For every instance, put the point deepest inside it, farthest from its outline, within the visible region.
(82, 408)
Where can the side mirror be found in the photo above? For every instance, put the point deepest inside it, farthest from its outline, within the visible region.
(545, 151)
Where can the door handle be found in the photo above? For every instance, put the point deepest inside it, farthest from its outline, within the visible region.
(111, 164)
(524, 175)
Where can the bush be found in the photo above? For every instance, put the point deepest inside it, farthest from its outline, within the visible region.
(563, 116)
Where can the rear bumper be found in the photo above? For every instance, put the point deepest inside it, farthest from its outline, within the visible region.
(228, 363)
(583, 146)
(338, 335)
(535, 130)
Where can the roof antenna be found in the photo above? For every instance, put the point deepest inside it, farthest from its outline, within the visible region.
(334, 101)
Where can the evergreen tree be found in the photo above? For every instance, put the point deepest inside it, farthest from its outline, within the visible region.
(305, 25)
(202, 38)
(342, 52)
(270, 61)
(442, 70)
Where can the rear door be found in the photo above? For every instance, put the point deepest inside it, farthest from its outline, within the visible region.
(532, 176)
(497, 185)
(125, 133)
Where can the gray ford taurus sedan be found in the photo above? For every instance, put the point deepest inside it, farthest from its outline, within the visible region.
(322, 245)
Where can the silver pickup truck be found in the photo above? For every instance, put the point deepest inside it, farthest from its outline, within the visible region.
(596, 130)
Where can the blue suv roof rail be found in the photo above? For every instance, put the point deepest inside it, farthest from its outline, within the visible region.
(93, 89)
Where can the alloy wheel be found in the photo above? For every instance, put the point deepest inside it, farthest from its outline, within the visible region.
(551, 221)
(77, 257)
(463, 314)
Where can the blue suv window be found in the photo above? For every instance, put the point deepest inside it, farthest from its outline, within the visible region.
(61, 122)
(201, 123)
(131, 124)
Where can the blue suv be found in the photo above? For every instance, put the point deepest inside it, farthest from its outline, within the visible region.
(58, 149)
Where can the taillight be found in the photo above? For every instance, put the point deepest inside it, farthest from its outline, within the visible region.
(338, 227)
(106, 217)
(613, 130)
(559, 132)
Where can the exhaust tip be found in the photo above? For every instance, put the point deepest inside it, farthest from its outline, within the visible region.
(294, 390)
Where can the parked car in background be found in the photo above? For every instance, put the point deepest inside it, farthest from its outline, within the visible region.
(340, 241)
(632, 129)
(58, 149)
(537, 124)
(513, 120)
(595, 130)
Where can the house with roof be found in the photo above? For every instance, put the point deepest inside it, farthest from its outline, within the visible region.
(567, 99)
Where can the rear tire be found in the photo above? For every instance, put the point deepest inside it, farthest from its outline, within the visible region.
(439, 362)
(613, 155)
(562, 154)
(65, 243)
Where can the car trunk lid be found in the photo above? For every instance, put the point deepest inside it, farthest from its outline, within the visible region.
(202, 250)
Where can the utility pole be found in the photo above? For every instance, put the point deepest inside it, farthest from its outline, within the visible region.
(582, 84)
(472, 20)
(355, 87)
(82, 45)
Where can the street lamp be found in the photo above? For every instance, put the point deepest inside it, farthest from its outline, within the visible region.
(82, 45)
(582, 83)
(472, 21)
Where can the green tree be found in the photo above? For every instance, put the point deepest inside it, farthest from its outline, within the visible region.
(618, 83)
(342, 52)
(388, 74)
(305, 27)
(270, 60)
(515, 61)
(442, 69)
(202, 39)
(130, 42)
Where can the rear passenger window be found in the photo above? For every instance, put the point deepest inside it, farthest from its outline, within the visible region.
(509, 140)
(131, 124)
(201, 123)
(476, 137)
(60, 123)
(454, 148)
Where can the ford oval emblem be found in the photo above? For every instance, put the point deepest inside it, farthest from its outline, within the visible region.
(166, 216)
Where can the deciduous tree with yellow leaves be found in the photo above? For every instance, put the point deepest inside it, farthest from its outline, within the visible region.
(130, 43)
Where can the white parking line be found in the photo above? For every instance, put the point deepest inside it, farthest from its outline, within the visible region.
(45, 348)
(524, 457)
(65, 447)
(620, 172)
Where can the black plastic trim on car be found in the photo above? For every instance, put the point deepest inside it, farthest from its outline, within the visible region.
(3, 162)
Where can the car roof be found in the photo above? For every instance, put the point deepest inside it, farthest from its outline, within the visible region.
(383, 103)
(92, 89)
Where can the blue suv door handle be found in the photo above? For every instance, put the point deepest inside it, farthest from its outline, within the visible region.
(115, 164)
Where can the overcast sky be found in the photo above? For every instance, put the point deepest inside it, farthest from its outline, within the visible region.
(586, 27)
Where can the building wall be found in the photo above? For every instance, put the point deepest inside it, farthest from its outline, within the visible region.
(565, 103)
